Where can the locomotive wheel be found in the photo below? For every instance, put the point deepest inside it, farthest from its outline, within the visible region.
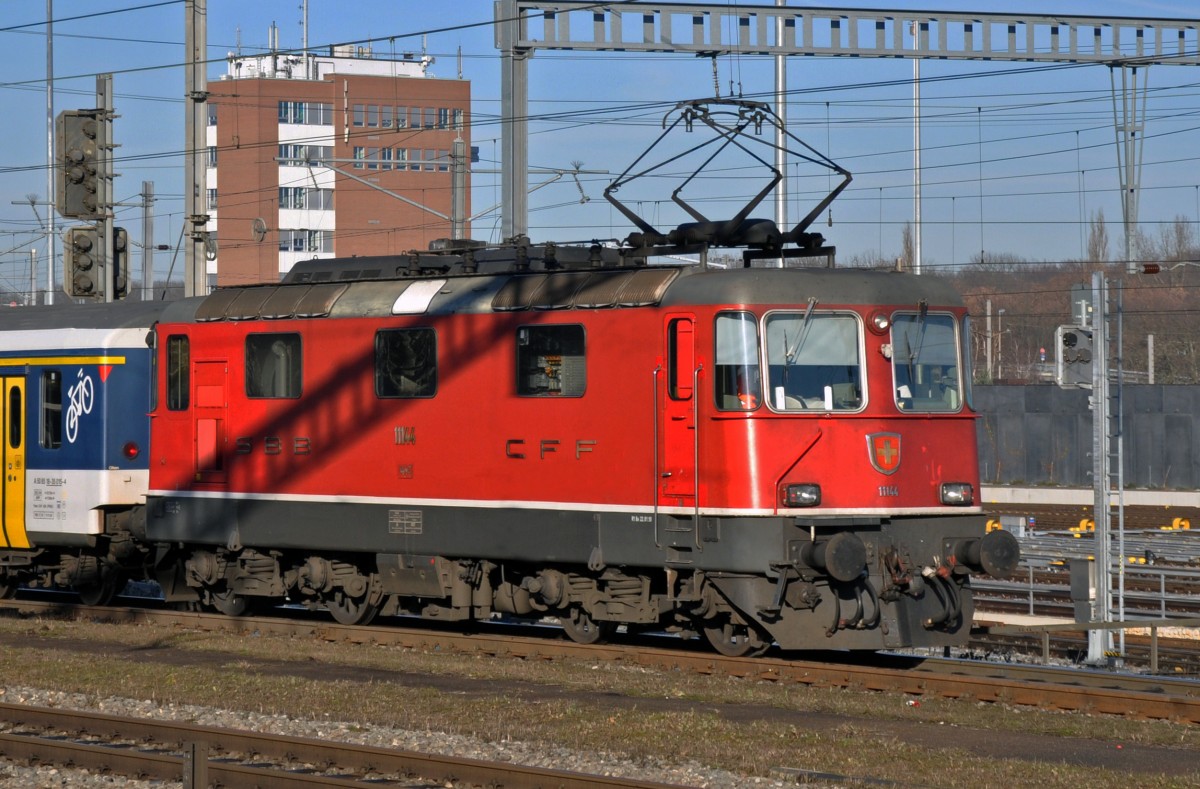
(582, 629)
(734, 640)
(229, 603)
(347, 610)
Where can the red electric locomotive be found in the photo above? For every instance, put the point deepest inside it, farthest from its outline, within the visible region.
(765, 454)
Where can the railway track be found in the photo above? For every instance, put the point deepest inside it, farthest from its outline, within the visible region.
(203, 756)
(1033, 686)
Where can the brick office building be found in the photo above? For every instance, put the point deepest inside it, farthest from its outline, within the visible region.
(323, 156)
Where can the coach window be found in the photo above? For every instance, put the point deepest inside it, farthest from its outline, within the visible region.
(51, 437)
(813, 362)
(738, 381)
(551, 361)
(406, 363)
(273, 366)
(926, 363)
(178, 373)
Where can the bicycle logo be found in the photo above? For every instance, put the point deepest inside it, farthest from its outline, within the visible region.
(80, 398)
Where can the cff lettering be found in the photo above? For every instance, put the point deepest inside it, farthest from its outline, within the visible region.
(546, 448)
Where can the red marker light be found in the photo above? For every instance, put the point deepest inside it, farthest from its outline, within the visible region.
(130, 450)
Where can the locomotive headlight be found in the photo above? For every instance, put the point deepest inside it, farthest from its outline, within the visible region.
(807, 494)
(880, 323)
(958, 494)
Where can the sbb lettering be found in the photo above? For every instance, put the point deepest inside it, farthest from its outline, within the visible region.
(273, 445)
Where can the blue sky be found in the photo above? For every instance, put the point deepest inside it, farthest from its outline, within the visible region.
(1012, 162)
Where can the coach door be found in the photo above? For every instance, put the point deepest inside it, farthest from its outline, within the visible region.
(677, 394)
(13, 418)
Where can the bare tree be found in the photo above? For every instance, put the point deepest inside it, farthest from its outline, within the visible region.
(1097, 244)
(908, 247)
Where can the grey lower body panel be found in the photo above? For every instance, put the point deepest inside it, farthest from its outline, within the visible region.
(559, 535)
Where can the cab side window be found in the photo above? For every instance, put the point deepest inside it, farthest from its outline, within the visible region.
(738, 380)
(551, 361)
(406, 363)
(273, 366)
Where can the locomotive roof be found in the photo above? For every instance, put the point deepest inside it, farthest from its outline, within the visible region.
(362, 291)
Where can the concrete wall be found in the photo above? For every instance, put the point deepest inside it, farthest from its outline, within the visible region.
(1042, 435)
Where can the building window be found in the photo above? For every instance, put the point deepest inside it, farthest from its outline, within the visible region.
(360, 153)
(443, 118)
(212, 114)
(291, 197)
(320, 241)
(406, 363)
(305, 241)
(291, 154)
(51, 437)
(430, 118)
(551, 361)
(178, 369)
(212, 156)
(401, 117)
(273, 367)
(360, 115)
(212, 200)
(443, 160)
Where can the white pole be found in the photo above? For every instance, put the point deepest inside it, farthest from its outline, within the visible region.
(51, 230)
(916, 30)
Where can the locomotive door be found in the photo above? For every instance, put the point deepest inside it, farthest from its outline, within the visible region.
(679, 448)
(12, 418)
(210, 416)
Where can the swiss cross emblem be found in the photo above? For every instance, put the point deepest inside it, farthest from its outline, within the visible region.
(884, 451)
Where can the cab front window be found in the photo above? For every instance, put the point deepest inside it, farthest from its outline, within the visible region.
(813, 361)
(926, 364)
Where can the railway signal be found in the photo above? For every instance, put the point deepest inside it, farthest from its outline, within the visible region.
(1073, 356)
(120, 263)
(83, 263)
(80, 166)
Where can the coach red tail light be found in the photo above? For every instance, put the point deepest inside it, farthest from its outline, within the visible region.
(958, 494)
(879, 323)
(806, 494)
(131, 450)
